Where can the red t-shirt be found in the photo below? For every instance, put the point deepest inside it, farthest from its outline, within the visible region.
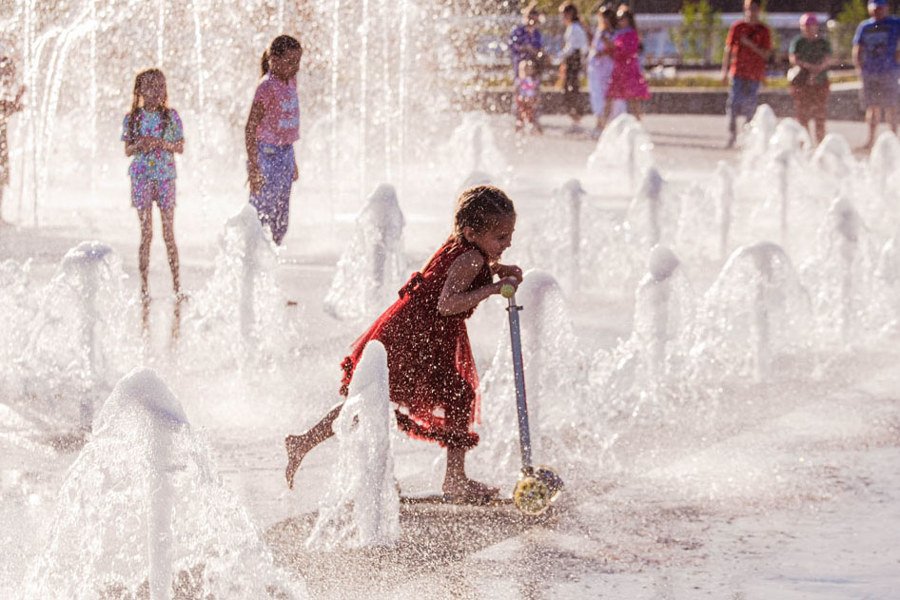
(745, 63)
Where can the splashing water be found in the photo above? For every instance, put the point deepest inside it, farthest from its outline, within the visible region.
(660, 312)
(833, 161)
(240, 316)
(755, 312)
(653, 214)
(639, 371)
(883, 206)
(840, 275)
(755, 138)
(142, 512)
(888, 274)
(558, 245)
(373, 266)
(472, 148)
(790, 135)
(361, 506)
(625, 146)
(556, 373)
(64, 347)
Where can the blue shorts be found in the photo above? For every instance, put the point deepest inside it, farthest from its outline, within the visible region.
(272, 203)
(880, 90)
(144, 192)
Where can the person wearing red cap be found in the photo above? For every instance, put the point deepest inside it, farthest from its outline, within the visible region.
(810, 56)
(747, 48)
(875, 59)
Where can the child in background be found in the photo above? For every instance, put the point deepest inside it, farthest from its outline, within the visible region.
(600, 66)
(272, 128)
(627, 86)
(527, 97)
(432, 377)
(152, 133)
(9, 105)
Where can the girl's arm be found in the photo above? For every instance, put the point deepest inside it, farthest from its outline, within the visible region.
(257, 111)
(155, 143)
(8, 108)
(454, 299)
(138, 144)
(132, 147)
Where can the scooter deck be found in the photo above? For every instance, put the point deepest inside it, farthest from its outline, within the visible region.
(430, 498)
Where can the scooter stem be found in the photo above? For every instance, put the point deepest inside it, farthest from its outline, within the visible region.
(519, 373)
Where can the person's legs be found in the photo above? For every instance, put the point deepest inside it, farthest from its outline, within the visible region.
(458, 414)
(146, 218)
(520, 114)
(634, 107)
(264, 201)
(751, 99)
(281, 180)
(457, 483)
(145, 215)
(167, 215)
(4, 167)
(572, 93)
(298, 446)
(874, 86)
(801, 106)
(732, 107)
(597, 89)
(820, 110)
(872, 117)
(142, 191)
(618, 107)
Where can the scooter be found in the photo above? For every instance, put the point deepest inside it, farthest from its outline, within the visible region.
(538, 487)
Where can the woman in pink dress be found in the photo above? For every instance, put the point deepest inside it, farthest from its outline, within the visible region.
(627, 86)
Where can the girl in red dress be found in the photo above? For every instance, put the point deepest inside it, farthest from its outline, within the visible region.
(432, 376)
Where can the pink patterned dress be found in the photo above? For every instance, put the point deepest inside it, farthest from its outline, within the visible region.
(627, 81)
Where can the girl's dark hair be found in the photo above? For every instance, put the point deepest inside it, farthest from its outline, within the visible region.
(609, 14)
(280, 45)
(625, 13)
(137, 101)
(480, 207)
(569, 9)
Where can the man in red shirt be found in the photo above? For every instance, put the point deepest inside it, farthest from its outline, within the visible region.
(747, 48)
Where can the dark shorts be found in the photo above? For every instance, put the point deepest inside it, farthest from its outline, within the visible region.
(144, 192)
(880, 90)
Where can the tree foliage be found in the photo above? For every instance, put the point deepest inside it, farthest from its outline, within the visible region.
(853, 13)
(701, 33)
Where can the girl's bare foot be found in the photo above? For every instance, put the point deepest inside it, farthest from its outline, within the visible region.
(297, 446)
(469, 490)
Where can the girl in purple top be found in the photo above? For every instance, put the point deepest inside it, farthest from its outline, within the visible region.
(272, 128)
(152, 133)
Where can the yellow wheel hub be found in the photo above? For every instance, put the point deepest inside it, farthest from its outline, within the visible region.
(532, 496)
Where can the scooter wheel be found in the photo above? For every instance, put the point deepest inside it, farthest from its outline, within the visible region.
(553, 481)
(532, 496)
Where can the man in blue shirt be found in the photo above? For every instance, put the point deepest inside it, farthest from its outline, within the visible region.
(875, 58)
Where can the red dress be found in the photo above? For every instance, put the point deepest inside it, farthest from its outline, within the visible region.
(432, 376)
